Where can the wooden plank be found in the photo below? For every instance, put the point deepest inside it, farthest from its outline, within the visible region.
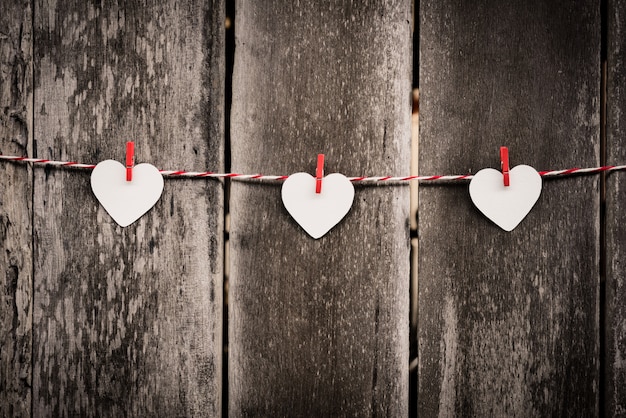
(615, 330)
(413, 309)
(128, 321)
(320, 327)
(15, 210)
(509, 322)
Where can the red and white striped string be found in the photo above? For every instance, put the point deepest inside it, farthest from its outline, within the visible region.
(371, 179)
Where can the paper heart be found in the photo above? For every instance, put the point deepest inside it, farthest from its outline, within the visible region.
(317, 213)
(126, 201)
(506, 206)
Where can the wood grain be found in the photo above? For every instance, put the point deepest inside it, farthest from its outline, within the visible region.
(615, 351)
(128, 321)
(509, 322)
(16, 285)
(320, 327)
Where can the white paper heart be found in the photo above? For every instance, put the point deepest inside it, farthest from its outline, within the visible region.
(126, 201)
(317, 213)
(506, 206)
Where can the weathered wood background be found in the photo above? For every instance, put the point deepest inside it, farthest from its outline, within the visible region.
(16, 194)
(614, 393)
(118, 321)
(509, 323)
(98, 320)
(320, 327)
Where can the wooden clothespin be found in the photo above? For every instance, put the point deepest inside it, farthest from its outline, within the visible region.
(504, 161)
(319, 173)
(130, 160)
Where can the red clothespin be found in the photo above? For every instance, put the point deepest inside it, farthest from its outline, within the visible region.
(504, 160)
(319, 173)
(130, 160)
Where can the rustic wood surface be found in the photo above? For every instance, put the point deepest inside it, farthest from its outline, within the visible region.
(615, 367)
(509, 322)
(127, 321)
(320, 327)
(15, 210)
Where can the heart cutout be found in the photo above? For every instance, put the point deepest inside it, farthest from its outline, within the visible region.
(317, 213)
(506, 206)
(126, 201)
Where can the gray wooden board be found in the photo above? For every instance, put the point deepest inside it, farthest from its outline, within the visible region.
(509, 322)
(320, 327)
(15, 209)
(128, 321)
(615, 367)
